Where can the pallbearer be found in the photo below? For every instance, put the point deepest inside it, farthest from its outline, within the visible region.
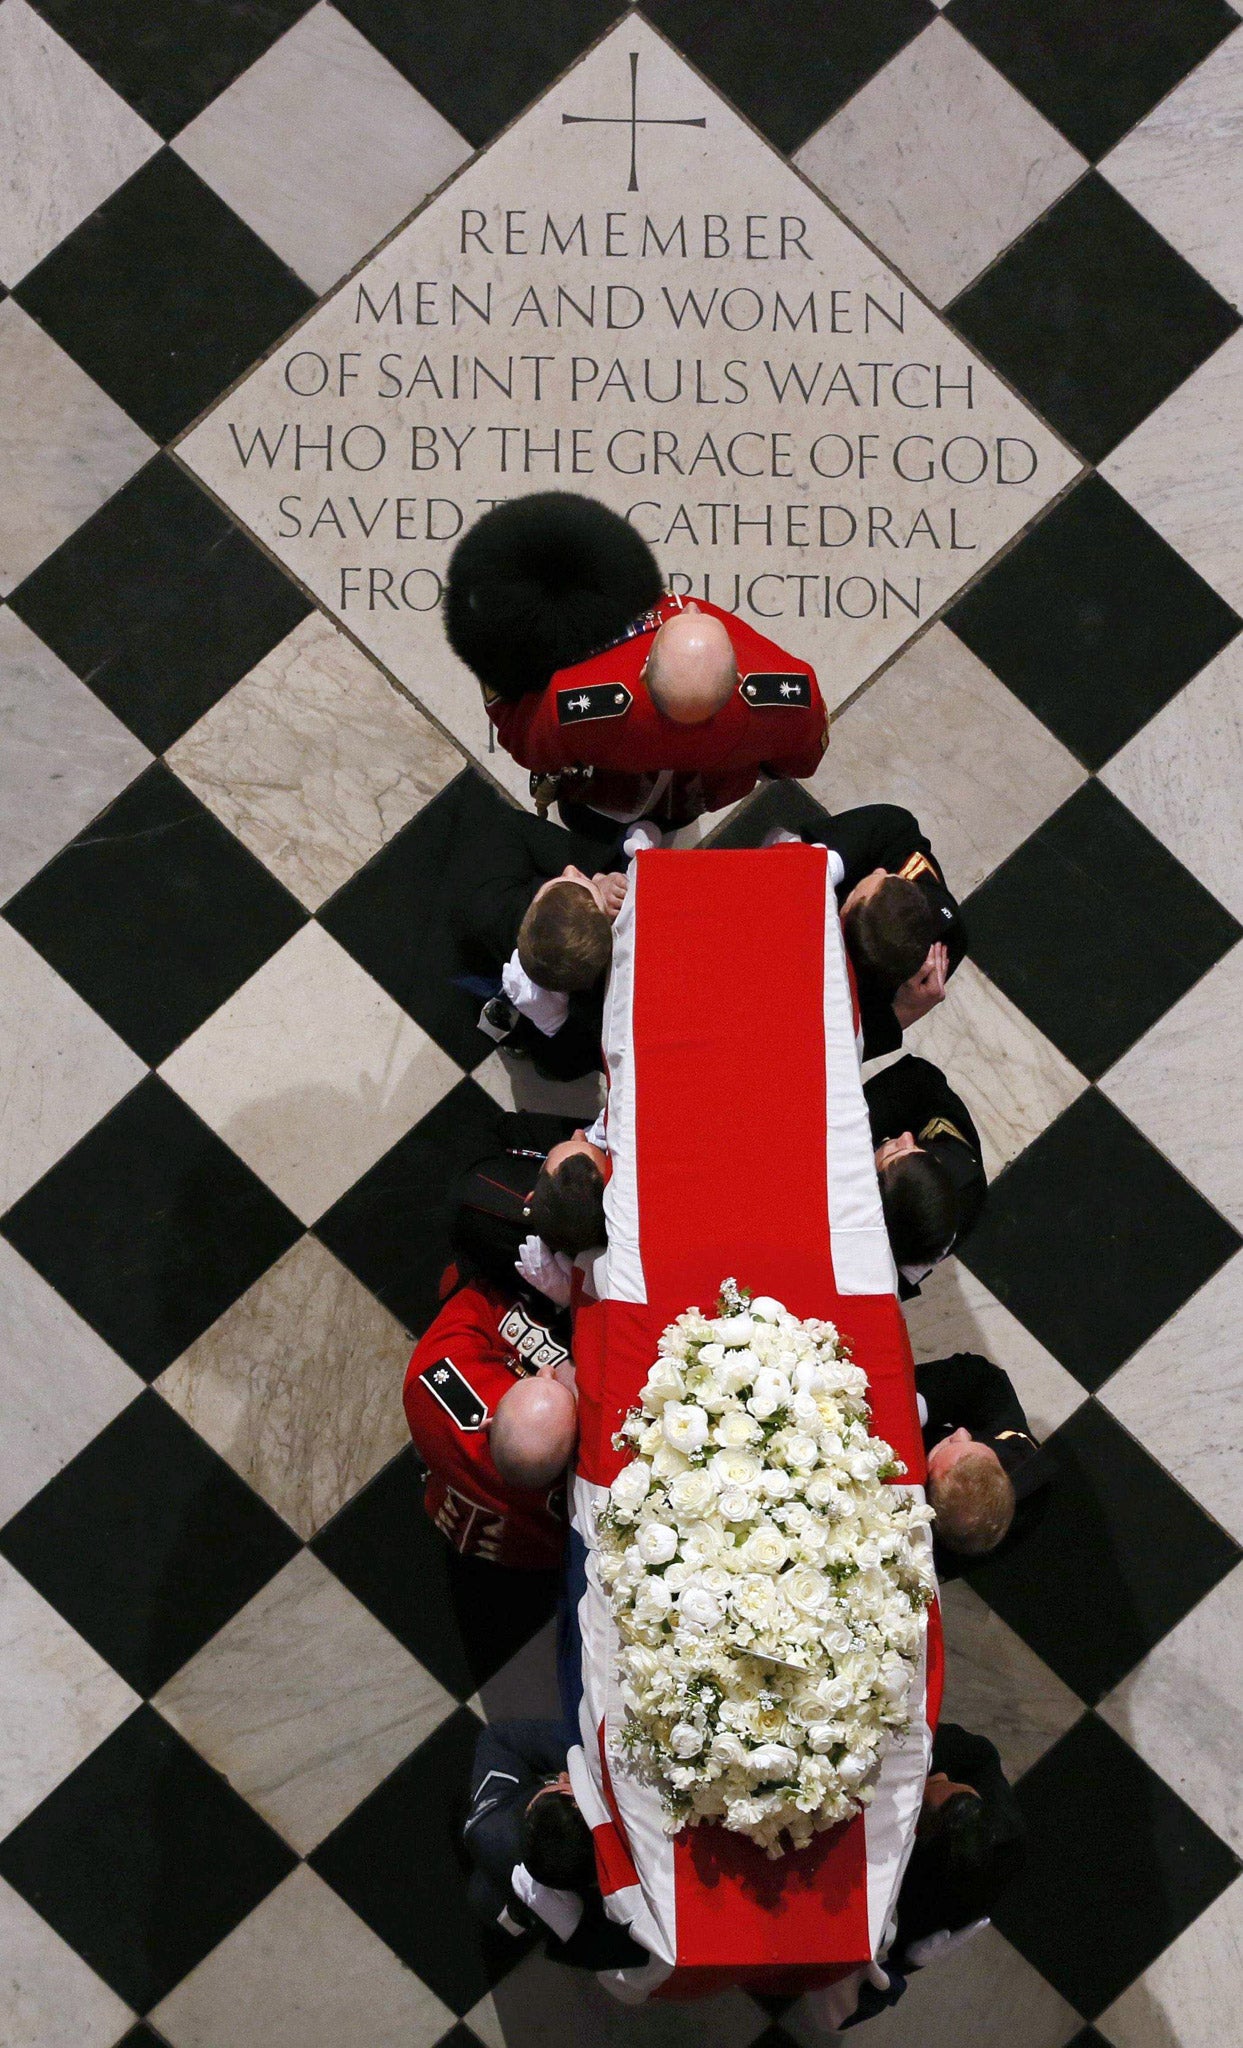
(623, 701)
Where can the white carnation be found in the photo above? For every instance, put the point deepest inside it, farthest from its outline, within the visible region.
(685, 1740)
(699, 1608)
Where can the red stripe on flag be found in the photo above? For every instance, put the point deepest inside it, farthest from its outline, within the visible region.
(936, 1667)
(614, 1863)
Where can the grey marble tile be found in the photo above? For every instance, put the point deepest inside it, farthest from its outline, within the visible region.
(61, 1067)
(314, 760)
(63, 756)
(1179, 1082)
(48, 1996)
(302, 1971)
(938, 733)
(1182, 469)
(66, 446)
(1182, 773)
(322, 147)
(542, 2002)
(526, 1687)
(1182, 167)
(58, 1699)
(1182, 1708)
(893, 159)
(996, 1686)
(981, 1996)
(1192, 1995)
(59, 1383)
(298, 1385)
(1181, 1394)
(516, 1085)
(304, 1702)
(955, 1312)
(66, 139)
(310, 1072)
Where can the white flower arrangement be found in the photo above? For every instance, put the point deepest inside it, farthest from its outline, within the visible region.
(766, 1583)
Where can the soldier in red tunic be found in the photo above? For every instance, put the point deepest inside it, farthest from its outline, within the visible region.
(673, 710)
(495, 1427)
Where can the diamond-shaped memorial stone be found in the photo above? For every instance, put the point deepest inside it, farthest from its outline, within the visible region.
(798, 434)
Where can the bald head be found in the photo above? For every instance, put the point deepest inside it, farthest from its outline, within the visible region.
(691, 669)
(533, 1431)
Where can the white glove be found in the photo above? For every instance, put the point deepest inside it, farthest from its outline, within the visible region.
(640, 837)
(546, 1008)
(780, 837)
(547, 1270)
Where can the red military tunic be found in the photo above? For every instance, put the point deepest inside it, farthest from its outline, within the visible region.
(598, 715)
(476, 1348)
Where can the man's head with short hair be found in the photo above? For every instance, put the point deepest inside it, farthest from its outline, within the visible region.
(972, 1494)
(555, 1841)
(531, 1436)
(691, 670)
(566, 1206)
(919, 1202)
(888, 924)
(565, 941)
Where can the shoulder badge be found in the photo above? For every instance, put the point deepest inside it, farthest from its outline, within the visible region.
(788, 689)
(455, 1394)
(592, 701)
(941, 1127)
(917, 865)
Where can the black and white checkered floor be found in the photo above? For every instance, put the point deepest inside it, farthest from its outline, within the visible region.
(240, 1678)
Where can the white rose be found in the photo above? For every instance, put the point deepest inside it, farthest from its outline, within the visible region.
(666, 1463)
(806, 1589)
(765, 1310)
(698, 1608)
(772, 1391)
(692, 1493)
(800, 1450)
(701, 1542)
(685, 1740)
(712, 1355)
(736, 1504)
(663, 1383)
(727, 1749)
(734, 1330)
(777, 1484)
(657, 1543)
(736, 1430)
(772, 1760)
(685, 1427)
(735, 1468)
(765, 1549)
(630, 1488)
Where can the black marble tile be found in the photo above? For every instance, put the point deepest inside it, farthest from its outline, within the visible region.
(790, 64)
(462, 1619)
(160, 603)
(392, 1228)
(155, 913)
(143, 1859)
(398, 1861)
(1093, 1240)
(164, 296)
(1094, 930)
(1118, 1557)
(150, 1227)
(1094, 621)
(780, 803)
(1117, 1867)
(147, 1542)
(1093, 70)
(1093, 317)
(168, 59)
(394, 916)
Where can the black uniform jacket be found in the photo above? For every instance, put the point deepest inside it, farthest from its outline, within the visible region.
(913, 1095)
(923, 1906)
(487, 1202)
(886, 836)
(512, 1760)
(491, 881)
(969, 1392)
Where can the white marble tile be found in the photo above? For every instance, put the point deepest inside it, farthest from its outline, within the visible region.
(66, 139)
(1182, 1708)
(955, 1312)
(544, 2005)
(60, 1384)
(516, 1085)
(304, 1702)
(996, 1686)
(1191, 1997)
(983, 1995)
(526, 1687)
(1013, 1080)
(315, 760)
(896, 159)
(298, 1385)
(392, 361)
(1181, 1394)
(63, 756)
(1182, 773)
(1178, 1084)
(322, 146)
(940, 734)
(310, 1072)
(1182, 167)
(61, 1066)
(48, 1996)
(66, 446)
(1182, 469)
(58, 1698)
(302, 1971)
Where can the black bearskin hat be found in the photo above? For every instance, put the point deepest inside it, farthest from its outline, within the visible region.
(540, 583)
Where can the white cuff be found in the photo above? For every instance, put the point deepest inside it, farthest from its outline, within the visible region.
(559, 1910)
(546, 1008)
